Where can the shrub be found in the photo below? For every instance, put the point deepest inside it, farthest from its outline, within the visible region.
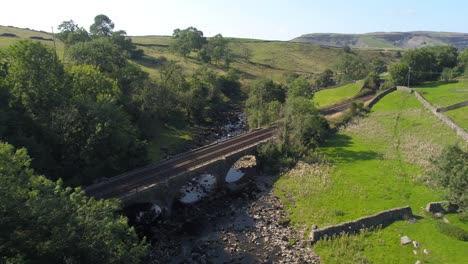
(452, 231)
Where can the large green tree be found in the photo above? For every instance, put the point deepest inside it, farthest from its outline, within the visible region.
(44, 222)
(303, 127)
(216, 50)
(351, 67)
(35, 78)
(186, 40)
(102, 27)
(264, 103)
(399, 73)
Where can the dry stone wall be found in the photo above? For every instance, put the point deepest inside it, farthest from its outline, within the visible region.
(453, 107)
(383, 219)
(460, 131)
(380, 96)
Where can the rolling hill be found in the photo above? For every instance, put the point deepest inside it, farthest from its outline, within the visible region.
(387, 40)
(267, 59)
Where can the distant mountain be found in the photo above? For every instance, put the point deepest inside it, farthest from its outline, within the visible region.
(387, 40)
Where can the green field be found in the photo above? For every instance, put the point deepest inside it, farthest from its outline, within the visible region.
(379, 162)
(459, 116)
(444, 94)
(329, 97)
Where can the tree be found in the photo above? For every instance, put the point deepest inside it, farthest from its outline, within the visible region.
(351, 67)
(463, 62)
(246, 53)
(451, 172)
(98, 140)
(71, 33)
(35, 78)
(44, 222)
(300, 87)
(399, 73)
(86, 81)
(303, 127)
(125, 43)
(216, 49)
(99, 52)
(325, 79)
(263, 105)
(186, 40)
(102, 27)
(372, 81)
(378, 65)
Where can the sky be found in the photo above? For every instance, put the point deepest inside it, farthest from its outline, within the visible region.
(260, 19)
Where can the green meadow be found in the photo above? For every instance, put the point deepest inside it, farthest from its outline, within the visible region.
(376, 163)
(330, 97)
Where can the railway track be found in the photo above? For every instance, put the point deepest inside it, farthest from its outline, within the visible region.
(152, 174)
(119, 186)
(343, 106)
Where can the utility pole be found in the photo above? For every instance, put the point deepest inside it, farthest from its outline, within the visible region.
(55, 47)
(409, 73)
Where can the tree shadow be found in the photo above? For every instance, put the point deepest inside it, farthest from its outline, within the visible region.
(336, 149)
(435, 84)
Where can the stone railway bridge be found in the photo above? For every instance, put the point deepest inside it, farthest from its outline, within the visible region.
(160, 183)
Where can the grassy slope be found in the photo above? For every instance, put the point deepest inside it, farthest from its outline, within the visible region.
(459, 116)
(379, 163)
(26, 34)
(444, 94)
(271, 59)
(329, 97)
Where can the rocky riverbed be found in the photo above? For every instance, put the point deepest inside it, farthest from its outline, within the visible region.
(249, 226)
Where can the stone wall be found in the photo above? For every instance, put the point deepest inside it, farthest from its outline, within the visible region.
(379, 96)
(383, 219)
(460, 131)
(441, 207)
(452, 107)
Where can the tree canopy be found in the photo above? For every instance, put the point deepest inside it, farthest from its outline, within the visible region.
(186, 40)
(44, 222)
(102, 27)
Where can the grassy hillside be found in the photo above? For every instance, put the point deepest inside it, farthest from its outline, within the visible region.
(377, 163)
(329, 97)
(10, 35)
(270, 59)
(387, 40)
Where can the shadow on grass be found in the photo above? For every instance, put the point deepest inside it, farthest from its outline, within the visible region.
(434, 84)
(337, 148)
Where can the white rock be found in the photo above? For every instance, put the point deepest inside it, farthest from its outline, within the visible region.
(416, 244)
(418, 262)
(426, 251)
(415, 252)
(405, 240)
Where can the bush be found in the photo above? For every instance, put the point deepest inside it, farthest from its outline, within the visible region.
(452, 231)
(451, 173)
